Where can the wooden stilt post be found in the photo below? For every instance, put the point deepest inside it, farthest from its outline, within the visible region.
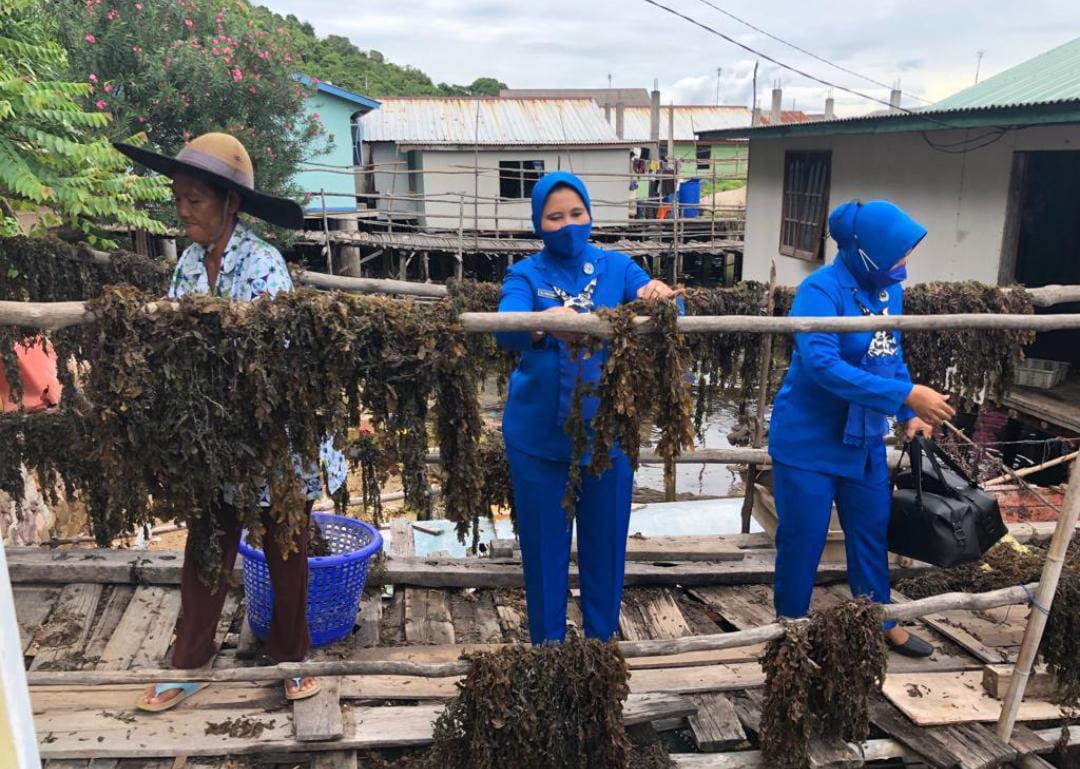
(762, 401)
(459, 268)
(326, 233)
(1044, 598)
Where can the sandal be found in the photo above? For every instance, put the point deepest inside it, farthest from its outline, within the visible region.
(186, 690)
(301, 693)
(912, 647)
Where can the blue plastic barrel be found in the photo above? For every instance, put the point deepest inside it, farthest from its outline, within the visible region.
(690, 198)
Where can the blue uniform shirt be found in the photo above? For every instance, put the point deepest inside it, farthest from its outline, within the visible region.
(540, 389)
(826, 377)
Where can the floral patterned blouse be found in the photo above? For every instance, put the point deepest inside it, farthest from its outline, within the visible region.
(250, 268)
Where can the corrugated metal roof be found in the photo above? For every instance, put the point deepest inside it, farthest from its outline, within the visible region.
(1053, 76)
(488, 121)
(630, 97)
(1043, 90)
(689, 119)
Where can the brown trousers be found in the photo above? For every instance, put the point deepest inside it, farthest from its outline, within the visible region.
(201, 606)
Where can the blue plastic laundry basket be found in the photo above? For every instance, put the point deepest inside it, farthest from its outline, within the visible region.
(335, 582)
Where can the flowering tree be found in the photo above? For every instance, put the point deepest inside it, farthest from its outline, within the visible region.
(53, 157)
(179, 68)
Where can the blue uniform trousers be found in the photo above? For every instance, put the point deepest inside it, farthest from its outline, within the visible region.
(804, 500)
(603, 518)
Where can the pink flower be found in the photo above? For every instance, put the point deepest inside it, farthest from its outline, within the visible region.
(252, 89)
(90, 38)
(100, 104)
(136, 49)
(138, 6)
(227, 50)
(108, 88)
(237, 75)
(216, 52)
(315, 80)
(188, 23)
(112, 15)
(92, 78)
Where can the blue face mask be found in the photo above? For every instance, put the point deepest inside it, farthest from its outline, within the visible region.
(886, 278)
(569, 242)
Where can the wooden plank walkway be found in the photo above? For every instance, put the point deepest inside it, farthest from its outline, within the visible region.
(92, 623)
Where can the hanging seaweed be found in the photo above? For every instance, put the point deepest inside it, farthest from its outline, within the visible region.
(498, 489)
(967, 364)
(473, 296)
(548, 707)
(364, 453)
(1060, 646)
(818, 680)
(785, 714)
(51, 270)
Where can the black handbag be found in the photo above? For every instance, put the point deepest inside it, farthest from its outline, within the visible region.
(941, 516)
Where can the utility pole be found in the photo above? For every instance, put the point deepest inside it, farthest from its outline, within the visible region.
(978, 64)
(609, 81)
(753, 103)
(718, 71)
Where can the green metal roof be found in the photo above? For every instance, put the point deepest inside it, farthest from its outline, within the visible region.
(1053, 76)
(1044, 90)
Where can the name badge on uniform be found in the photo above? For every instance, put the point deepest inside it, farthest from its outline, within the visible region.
(545, 293)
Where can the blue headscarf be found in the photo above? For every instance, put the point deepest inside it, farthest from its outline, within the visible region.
(546, 185)
(871, 238)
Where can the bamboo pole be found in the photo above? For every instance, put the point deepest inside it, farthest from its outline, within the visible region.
(901, 611)
(1032, 470)
(371, 285)
(1044, 598)
(762, 401)
(51, 316)
(326, 232)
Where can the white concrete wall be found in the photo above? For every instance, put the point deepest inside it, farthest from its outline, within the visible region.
(448, 173)
(960, 199)
(386, 160)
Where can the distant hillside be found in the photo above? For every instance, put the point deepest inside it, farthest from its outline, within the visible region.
(335, 59)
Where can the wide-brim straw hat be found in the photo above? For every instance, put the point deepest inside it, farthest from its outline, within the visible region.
(223, 160)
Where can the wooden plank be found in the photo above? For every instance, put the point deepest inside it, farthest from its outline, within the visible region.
(933, 699)
(402, 539)
(997, 678)
(474, 617)
(743, 607)
(159, 633)
(32, 607)
(716, 724)
(651, 614)
(1026, 741)
(115, 605)
(922, 741)
(976, 745)
(94, 734)
(164, 568)
(1003, 626)
(140, 616)
(427, 617)
(318, 718)
(239, 696)
(642, 548)
(368, 621)
(64, 635)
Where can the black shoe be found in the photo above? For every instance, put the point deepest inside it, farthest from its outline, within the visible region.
(912, 647)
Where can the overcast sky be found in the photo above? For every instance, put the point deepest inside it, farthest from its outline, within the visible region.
(930, 46)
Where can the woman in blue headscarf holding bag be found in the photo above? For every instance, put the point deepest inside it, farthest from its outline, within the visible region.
(569, 276)
(830, 418)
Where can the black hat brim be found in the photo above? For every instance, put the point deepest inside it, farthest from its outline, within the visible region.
(281, 212)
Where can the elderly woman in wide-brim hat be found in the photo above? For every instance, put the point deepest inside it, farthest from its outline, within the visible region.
(213, 180)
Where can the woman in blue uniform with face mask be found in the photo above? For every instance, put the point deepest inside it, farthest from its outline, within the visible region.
(830, 417)
(570, 275)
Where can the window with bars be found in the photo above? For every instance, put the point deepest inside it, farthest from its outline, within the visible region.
(806, 204)
(518, 177)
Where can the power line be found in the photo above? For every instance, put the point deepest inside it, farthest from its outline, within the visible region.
(997, 133)
(811, 54)
(768, 58)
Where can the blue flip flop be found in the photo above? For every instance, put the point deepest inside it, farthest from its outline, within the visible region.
(186, 690)
(302, 694)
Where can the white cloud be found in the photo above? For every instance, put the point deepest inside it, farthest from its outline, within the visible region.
(928, 45)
